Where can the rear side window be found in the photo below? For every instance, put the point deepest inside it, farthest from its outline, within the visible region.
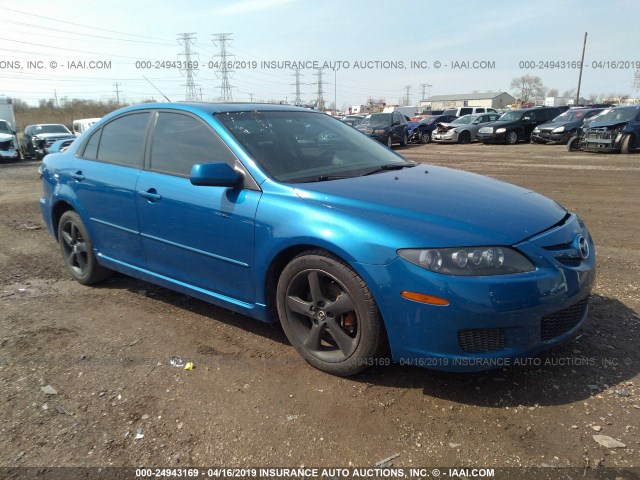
(479, 110)
(91, 148)
(465, 111)
(180, 141)
(123, 140)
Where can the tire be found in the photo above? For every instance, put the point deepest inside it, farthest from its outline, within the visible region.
(425, 137)
(512, 138)
(329, 314)
(389, 141)
(405, 140)
(627, 143)
(464, 137)
(573, 145)
(77, 250)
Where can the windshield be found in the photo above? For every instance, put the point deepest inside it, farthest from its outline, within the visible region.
(511, 116)
(51, 129)
(467, 119)
(376, 118)
(5, 128)
(296, 147)
(616, 115)
(570, 116)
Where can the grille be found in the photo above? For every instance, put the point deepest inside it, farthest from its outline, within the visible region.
(555, 324)
(481, 340)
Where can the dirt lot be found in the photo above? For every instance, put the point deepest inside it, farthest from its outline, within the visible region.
(251, 401)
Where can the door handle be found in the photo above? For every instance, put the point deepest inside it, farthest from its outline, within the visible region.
(152, 195)
(78, 176)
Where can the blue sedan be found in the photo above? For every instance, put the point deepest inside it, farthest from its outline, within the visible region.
(286, 214)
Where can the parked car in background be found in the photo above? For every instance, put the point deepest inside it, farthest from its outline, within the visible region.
(9, 147)
(38, 138)
(613, 130)
(388, 128)
(420, 132)
(462, 111)
(564, 126)
(516, 125)
(462, 129)
(82, 125)
(352, 120)
(356, 251)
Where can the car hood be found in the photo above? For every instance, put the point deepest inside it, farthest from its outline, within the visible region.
(441, 206)
(554, 125)
(373, 126)
(5, 137)
(55, 135)
(606, 124)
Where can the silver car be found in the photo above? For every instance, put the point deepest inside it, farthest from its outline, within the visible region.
(463, 129)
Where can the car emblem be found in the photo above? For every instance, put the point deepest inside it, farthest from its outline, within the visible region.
(583, 246)
(321, 316)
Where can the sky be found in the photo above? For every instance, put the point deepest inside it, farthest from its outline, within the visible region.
(100, 50)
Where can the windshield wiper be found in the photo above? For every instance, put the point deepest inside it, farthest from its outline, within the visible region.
(324, 178)
(387, 167)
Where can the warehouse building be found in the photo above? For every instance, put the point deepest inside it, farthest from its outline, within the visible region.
(495, 100)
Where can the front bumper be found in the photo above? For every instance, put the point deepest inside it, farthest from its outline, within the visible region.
(490, 321)
(492, 137)
(11, 154)
(550, 138)
(445, 137)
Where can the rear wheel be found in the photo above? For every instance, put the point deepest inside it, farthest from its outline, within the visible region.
(512, 138)
(329, 315)
(464, 137)
(77, 250)
(627, 143)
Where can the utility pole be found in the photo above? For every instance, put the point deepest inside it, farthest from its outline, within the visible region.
(298, 100)
(584, 46)
(117, 85)
(320, 92)
(190, 68)
(251, 97)
(55, 94)
(221, 41)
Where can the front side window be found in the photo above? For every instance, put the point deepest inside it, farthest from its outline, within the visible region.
(123, 140)
(180, 141)
(295, 146)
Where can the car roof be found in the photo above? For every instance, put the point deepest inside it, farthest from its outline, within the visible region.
(209, 107)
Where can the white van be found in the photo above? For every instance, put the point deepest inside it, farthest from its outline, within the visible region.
(461, 111)
(82, 125)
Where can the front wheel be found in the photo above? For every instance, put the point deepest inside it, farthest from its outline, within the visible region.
(389, 141)
(512, 138)
(405, 140)
(574, 144)
(329, 315)
(465, 137)
(77, 250)
(425, 137)
(627, 143)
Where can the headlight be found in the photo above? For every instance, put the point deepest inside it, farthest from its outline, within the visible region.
(537, 130)
(469, 260)
(501, 130)
(379, 130)
(618, 137)
(558, 130)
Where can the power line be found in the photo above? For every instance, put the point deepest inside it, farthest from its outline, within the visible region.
(221, 40)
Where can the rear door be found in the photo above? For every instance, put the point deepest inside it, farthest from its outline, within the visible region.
(199, 235)
(105, 177)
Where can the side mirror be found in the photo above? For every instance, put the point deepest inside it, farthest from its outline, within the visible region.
(217, 174)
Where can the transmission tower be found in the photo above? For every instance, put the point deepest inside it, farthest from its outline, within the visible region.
(320, 92)
(190, 61)
(407, 98)
(221, 41)
(298, 100)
